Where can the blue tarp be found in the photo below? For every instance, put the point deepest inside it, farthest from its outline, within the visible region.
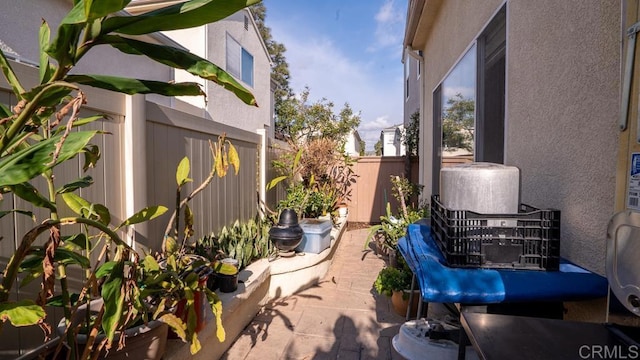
(443, 284)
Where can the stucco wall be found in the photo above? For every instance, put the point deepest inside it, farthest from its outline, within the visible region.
(412, 100)
(225, 107)
(562, 108)
(457, 24)
(562, 102)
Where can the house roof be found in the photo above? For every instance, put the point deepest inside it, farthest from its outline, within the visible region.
(420, 17)
(394, 127)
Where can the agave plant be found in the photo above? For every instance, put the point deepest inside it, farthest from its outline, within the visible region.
(44, 130)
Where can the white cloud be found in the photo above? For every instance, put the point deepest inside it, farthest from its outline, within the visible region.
(374, 90)
(389, 27)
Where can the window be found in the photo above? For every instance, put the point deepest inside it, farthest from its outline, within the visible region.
(469, 104)
(239, 61)
(246, 22)
(407, 63)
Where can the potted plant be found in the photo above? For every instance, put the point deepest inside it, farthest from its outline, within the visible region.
(185, 285)
(396, 283)
(44, 130)
(226, 276)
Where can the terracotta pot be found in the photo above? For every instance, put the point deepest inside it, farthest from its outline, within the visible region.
(400, 304)
(144, 342)
(200, 304)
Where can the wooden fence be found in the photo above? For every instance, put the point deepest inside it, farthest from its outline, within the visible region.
(372, 189)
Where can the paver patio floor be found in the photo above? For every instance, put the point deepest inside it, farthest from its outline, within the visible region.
(340, 318)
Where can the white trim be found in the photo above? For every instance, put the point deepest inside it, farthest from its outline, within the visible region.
(135, 161)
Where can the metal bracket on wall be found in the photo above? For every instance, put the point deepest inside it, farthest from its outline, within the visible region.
(632, 33)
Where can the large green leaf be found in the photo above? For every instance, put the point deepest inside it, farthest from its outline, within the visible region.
(76, 203)
(81, 121)
(181, 59)
(28, 163)
(87, 209)
(63, 47)
(17, 211)
(22, 313)
(87, 10)
(45, 70)
(28, 192)
(275, 182)
(11, 77)
(145, 214)
(75, 185)
(5, 112)
(179, 16)
(182, 172)
(62, 256)
(136, 86)
(105, 269)
(77, 241)
(113, 296)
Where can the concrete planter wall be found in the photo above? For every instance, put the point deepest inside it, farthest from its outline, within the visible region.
(259, 282)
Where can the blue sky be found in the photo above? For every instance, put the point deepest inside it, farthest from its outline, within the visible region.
(346, 52)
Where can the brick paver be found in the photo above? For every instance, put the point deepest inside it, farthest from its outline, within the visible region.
(340, 318)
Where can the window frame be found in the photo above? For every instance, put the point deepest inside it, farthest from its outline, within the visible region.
(243, 70)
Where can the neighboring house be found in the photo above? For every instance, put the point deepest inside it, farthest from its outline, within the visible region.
(234, 44)
(353, 144)
(544, 81)
(391, 138)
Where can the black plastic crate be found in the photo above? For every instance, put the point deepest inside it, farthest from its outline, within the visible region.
(528, 240)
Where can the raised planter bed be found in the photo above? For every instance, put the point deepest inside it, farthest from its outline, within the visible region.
(293, 273)
(259, 282)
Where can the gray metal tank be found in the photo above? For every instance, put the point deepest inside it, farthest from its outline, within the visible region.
(481, 187)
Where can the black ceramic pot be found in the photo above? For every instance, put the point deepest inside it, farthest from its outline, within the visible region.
(227, 283)
(287, 235)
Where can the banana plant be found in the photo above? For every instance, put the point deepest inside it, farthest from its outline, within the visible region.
(44, 130)
(182, 268)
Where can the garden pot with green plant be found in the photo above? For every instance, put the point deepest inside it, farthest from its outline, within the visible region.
(396, 283)
(186, 289)
(143, 340)
(226, 275)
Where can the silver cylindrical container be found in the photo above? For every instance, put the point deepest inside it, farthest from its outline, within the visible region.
(481, 187)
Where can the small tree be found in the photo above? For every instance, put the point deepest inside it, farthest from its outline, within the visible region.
(280, 69)
(378, 147)
(302, 121)
(458, 121)
(411, 135)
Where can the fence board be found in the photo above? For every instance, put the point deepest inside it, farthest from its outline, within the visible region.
(372, 189)
(171, 135)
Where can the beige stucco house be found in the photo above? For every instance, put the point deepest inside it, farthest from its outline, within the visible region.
(235, 44)
(545, 79)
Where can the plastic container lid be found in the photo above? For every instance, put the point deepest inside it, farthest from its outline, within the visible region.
(315, 225)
